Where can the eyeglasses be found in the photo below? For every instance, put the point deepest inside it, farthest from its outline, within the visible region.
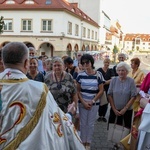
(85, 62)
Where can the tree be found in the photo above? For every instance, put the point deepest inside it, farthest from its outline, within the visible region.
(115, 51)
(1, 24)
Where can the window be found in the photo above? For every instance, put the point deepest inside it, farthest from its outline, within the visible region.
(69, 28)
(88, 33)
(84, 32)
(29, 2)
(95, 35)
(8, 25)
(92, 34)
(26, 25)
(137, 41)
(10, 2)
(76, 30)
(46, 25)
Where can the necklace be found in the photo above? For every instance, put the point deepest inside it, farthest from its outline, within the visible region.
(59, 86)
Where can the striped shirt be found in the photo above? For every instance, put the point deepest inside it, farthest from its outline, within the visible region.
(89, 84)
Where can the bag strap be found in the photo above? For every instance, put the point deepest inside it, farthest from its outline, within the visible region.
(122, 121)
(97, 75)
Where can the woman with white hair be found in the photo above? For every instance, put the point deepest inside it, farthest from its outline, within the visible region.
(121, 95)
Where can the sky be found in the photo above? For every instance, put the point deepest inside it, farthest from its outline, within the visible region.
(133, 15)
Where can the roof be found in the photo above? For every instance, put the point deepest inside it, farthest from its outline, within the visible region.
(132, 37)
(51, 5)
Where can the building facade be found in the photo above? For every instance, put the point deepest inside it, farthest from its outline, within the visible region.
(53, 27)
(137, 42)
(109, 31)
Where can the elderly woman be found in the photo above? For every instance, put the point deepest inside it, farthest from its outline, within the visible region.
(136, 73)
(138, 76)
(90, 88)
(48, 66)
(121, 95)
(107, 74)
(61, 85)
(33, 72)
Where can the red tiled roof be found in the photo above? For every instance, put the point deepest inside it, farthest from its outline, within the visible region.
(118, 25)
(143, 37)
(113, 29)
(41, 5)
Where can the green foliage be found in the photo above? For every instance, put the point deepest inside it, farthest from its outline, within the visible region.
(1, 24)
(115, 49)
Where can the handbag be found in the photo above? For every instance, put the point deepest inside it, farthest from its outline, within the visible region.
(126, 142)
(117, 132)
(103, 99)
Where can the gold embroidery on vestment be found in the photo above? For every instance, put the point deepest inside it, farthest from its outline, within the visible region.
(28, 128)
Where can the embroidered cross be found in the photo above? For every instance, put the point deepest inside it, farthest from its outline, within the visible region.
(8, 73)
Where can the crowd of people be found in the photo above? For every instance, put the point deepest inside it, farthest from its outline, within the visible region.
(55, 101)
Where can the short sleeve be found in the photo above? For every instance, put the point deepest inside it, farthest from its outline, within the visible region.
(133, 88)
(110, 89)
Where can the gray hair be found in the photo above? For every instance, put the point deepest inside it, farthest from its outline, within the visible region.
(31, 49)
(48, 60)
(57, 59)
(123, 64)
(14, 52)
(122, 55)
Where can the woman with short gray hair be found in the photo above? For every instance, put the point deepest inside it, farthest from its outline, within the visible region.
(121, 95)
(124, 65)
(61, 85)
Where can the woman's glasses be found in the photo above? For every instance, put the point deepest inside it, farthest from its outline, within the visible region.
(85, 62)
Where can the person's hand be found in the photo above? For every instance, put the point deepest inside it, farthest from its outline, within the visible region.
(122, 111)
(117, 113)
(87, 105)
(71, 108)
(144, 102)
(77, 116)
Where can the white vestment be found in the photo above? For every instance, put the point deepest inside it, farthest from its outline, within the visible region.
(27, 103)
(144, 130)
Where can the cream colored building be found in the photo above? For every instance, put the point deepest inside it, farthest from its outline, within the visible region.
(137, 42)
(108, 27)
(53, 27)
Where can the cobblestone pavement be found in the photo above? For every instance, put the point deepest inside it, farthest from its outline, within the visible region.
(100, 141)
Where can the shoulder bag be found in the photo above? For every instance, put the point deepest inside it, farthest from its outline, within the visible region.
(117, 132)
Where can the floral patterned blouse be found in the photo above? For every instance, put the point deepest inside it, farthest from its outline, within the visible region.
(62, 93)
